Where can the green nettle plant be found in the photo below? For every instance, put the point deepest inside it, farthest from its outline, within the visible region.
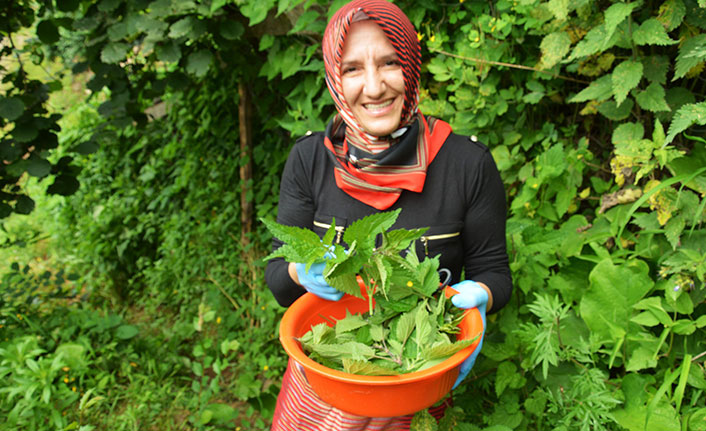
(409, 325)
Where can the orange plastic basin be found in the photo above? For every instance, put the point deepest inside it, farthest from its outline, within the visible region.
(372, 396)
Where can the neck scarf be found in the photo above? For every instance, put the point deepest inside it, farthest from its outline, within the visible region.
(376, 169)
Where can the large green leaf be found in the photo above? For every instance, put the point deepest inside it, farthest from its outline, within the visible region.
(656, 68)
(559, 8)
(685, 117)
(652, 32)
(653, 98)
(554, 47)
(600, 90)
(671, 14)
(608, 303)
(597, 39)
(691, 53)
(11, 108)
(198, 63)
(114, 52)
(624, 78)
(48, 32)
(616, 14)
(38, 167)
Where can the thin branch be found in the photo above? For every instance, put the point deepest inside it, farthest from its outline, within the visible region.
(511, 65)
(223, 291)
(699, 356)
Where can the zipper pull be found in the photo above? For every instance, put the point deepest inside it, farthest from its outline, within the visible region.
(339, 233)
(425, 241)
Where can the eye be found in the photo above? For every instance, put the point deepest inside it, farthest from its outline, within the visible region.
(348, 69)
(392, 63)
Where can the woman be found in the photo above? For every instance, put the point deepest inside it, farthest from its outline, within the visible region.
(378, 154)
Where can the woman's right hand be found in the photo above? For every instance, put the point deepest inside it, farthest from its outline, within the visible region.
(313, 280)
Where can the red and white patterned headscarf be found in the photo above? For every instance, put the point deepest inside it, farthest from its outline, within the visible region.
(399, 31)
(376, 169)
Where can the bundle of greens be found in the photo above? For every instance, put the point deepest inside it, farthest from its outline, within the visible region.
(408, 326)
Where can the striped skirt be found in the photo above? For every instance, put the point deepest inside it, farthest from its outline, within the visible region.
(300, 409)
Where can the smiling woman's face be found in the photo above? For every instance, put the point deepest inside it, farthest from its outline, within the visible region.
(372, 79)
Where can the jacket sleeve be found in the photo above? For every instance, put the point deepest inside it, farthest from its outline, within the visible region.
(485, 248)
(296, 208)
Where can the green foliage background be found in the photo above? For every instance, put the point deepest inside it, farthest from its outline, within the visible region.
(594, 112)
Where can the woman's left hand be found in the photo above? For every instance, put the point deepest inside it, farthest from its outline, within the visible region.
(470, 295)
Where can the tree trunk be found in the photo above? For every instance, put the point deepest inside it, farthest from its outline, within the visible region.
(246, 206)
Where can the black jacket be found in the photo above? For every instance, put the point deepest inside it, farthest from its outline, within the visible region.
(462, 204)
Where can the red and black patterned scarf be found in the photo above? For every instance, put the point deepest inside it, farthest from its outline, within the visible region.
(376, 169)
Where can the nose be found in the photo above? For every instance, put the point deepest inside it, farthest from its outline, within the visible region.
(374, 85)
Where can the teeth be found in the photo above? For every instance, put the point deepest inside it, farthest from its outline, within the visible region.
(377, 106)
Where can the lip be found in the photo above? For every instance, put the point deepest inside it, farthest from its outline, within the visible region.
(380, 112)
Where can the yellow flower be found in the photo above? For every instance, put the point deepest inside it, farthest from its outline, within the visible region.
(262, 308)
(420, 37)
(266, 367)
(65, 369)
(218, 320)
(432, 38)
(410, 284)
(460, 1)
(132, 364)
(73, 388)
(66, 380)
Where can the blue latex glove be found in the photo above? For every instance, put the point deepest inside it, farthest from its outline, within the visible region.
(313, 281)
(470, 295)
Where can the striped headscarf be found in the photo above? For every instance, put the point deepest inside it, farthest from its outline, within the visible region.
(375, 169)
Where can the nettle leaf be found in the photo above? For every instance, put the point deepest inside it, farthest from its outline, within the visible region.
(673, 230)
(559, 8)
(301, 245)
(444, 350)
(597, 39)
(655, 68)
(349, 323)
(611, 110)
(351, 349)
(346, 284)
(616, 14)
(653, 98)
(671, 14)
(652, 32)
(365, 368)
(405, 326)
(691, 53)
(554, 48)
(364, 231)
(600, 90)
(624, 78)
(628, 132)
(400, 239)
(424, 325)
(685, 117)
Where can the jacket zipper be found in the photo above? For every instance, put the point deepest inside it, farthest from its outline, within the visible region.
(425, 239)
(339, 229)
